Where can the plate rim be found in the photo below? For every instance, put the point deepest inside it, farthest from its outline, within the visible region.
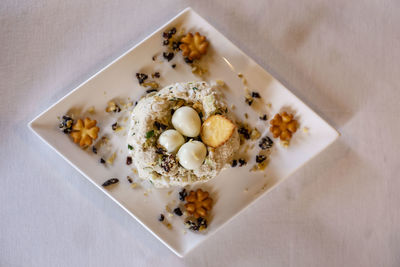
(180, 253)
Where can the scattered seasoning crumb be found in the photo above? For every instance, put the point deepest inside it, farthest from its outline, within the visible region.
(285, 144)
(111, 159)
(168, 55)
(249, 101)
(178, 211)
(150, 85)
(234, 163)
(305, 129)
(66, 124)
(114, 126)
(269, 105)
(134, 185)
(255, 95)
(145, 194)
(94, 149)
(161, 218)
(246, 115)
(188, 60)
(220, 82)
(91, 110)
(175, 46)
(260, 158)
(141, 77)
(263, 117)
(102, 161)
(119, 128)
(129, 179)
(233, 106)
(182, 194)
(154, 58)
(110, 182)
(265, 143)
(245, 132)
(166, 42)
(156, 75)
(173, 66)
(128, 160)
(169, 193)
(167, 208)
(199, 225)
(169, 226)
(240, 75)
(170, 214)
(148, 91)
(246, 190)
(255, 134)
(242, 162)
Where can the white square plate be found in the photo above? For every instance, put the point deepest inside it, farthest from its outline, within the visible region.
(233, 189)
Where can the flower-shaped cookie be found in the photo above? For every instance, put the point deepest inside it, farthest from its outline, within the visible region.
(283, 126)
(193, 46)
(198, 203)
(84, 132)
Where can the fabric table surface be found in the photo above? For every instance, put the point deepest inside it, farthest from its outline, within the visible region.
(340, 57)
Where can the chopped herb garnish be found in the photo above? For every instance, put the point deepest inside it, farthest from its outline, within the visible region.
(173, 66)
(264, 117)
(130, 147)
(114, 126)
(195, 88)
(150, 134)
(161, 217)
(102, 161)
(255, 95)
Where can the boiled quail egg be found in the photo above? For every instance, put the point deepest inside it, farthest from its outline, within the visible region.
(171, 140)
(186, 121)
(191, 155)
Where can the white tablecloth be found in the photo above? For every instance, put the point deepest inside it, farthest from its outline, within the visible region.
(341, 57)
